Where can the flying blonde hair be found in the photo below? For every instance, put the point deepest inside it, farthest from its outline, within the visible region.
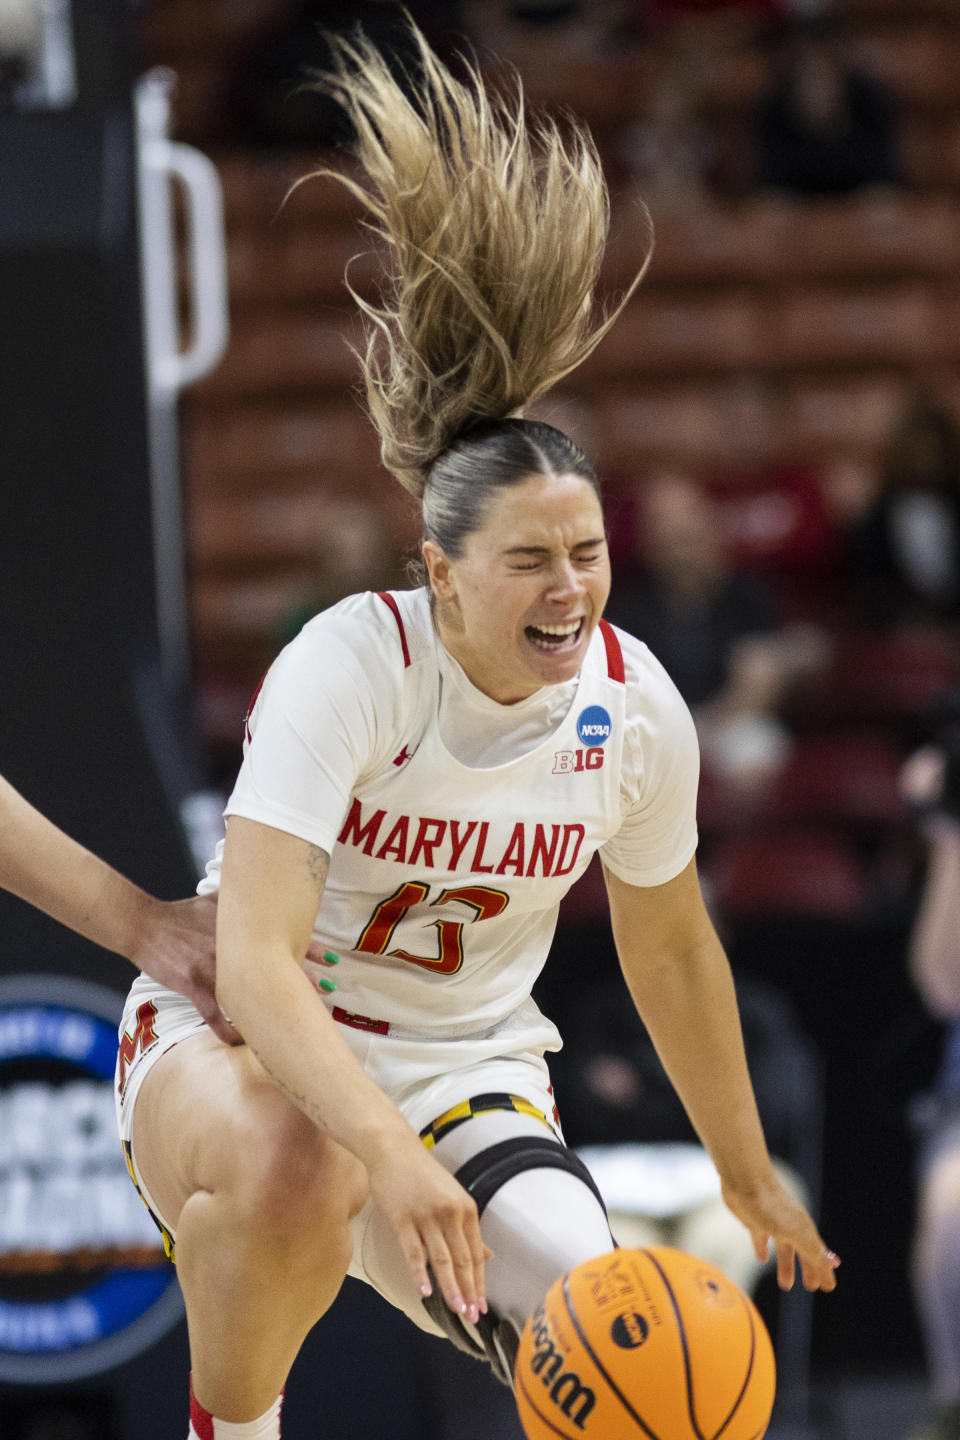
(494, 225)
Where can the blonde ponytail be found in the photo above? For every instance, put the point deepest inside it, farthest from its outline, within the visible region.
(495, 226)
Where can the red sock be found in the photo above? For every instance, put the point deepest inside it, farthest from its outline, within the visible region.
(204, 1426)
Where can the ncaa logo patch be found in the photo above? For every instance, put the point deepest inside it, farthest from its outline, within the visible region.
(629, 1330)
(594, 725)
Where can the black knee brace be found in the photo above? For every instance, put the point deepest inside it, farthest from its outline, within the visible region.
(482, 1176)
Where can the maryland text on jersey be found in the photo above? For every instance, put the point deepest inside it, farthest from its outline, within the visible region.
(478, 846)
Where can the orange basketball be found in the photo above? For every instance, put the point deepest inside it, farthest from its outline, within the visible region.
(645, 1343)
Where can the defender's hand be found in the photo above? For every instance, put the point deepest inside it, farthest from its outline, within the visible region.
(176, 946)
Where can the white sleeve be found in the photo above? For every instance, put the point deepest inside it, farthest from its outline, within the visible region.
(313, 731)
(661, 772)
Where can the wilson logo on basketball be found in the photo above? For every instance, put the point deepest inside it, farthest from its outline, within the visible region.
(565, 1388)
(629, 1330)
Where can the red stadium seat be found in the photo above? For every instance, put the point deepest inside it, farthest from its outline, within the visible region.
(316, 261)
(279, 436)
(851, 414)
(262, 190)
(688, 422)
(711, 244)
(660, 334)
(848, 780)
(254, 186)
(893, 235)
(294, 524)
(293, 264)
(887, 324)
(275, 527)
(288, 352)
(879, 677)
(793, 873)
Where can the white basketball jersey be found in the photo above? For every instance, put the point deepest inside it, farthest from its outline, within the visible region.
(444, 885)
(445, 880)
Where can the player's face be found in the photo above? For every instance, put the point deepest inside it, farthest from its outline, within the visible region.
(519, 606)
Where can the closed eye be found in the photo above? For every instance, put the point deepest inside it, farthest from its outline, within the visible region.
(522, 559)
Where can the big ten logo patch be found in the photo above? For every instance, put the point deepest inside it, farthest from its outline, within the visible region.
(569, 762)
(84, 1282)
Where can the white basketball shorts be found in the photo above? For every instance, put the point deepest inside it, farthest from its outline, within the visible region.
(496, 1078)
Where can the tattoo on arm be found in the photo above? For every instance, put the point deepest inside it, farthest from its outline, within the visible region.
(302, 1103)
(318, 863)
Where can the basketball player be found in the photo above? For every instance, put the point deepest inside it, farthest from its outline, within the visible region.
(172, 941)
(426, 773)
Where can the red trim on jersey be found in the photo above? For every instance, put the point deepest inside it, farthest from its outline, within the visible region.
(201, 1421)
(361, 1022)
(388, 599)
(614, 653)
(253, 700)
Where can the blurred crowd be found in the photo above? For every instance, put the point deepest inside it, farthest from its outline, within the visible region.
(824, 124)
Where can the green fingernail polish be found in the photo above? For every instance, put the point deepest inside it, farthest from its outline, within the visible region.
(330, 958)
(328, 985)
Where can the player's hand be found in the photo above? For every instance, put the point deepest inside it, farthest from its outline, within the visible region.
(176, 946)
(435, 1221)
(770, 1212)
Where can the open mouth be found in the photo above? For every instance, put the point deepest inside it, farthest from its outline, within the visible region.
(556, 638)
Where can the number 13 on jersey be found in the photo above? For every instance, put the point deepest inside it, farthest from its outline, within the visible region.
(379, 929)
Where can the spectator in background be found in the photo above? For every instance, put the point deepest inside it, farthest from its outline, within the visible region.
(718, 631)
(825, 127)
(904, 552)
(931, 783)
(667, 151)
(272, 102)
